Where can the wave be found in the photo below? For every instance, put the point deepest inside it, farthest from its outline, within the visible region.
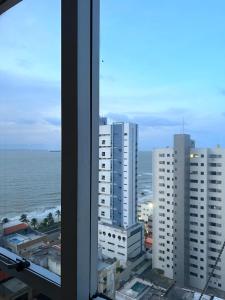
(39, 214)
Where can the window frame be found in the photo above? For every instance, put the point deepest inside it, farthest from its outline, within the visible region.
(7, 4)
(80, 126)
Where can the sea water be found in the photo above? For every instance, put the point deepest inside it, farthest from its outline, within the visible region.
(30, 182)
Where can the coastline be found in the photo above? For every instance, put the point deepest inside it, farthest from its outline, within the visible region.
(39, 215)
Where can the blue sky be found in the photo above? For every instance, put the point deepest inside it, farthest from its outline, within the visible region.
(163, 62)
(30, 75)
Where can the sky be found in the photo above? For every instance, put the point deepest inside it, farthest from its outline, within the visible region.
(162, 66)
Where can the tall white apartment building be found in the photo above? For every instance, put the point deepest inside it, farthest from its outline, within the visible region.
(189, 212)
(119, 235)
(118, 174)
(163, 212)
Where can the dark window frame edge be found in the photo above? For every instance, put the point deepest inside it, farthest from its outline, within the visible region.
(7, 4)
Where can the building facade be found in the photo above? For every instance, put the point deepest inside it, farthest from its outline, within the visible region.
(144, 211)
(121, 243)
(118, 174)
(189, 212)
(108, 276)
(119, 234)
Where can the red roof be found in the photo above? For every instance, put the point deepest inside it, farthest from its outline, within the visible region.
(15, 228)
(3, 276)
(148, 240)
(148, 243)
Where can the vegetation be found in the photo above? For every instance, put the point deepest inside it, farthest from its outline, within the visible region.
(58, 214)
(47, 224)
(43, 227)
(23, 218)
(119, 269)
(50, 219)
(34, 223)
(5, 220)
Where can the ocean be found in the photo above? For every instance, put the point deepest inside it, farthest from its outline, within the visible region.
(144, 181)
(30, 182)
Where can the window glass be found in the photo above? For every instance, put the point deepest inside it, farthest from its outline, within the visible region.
(162, 114)
(30, 132)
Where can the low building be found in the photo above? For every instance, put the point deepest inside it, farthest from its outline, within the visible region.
(14, 288)
(120, 243)
(136, 266)
(39, 256)
(176, 292)
(139, 289)
(14, 227)
(135, 289)
(144, 210)
(108, 276)
(21, 243)
(48, 257)
(54, 259)
(21, 239)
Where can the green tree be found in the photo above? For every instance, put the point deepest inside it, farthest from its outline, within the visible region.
(34, 223)
(58, 214)
(5, 220)
(45, 222)
(23, 218)
(50, 219)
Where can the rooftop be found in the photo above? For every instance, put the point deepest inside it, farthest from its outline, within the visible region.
(13, 227)
(105, 263)
(157, 278)
(18, 239)
(12, 286)
(177, 293)
(121, 229)
(138, 289)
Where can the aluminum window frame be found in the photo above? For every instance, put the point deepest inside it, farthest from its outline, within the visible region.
(79, 180)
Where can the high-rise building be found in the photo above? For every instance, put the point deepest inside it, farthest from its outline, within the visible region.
(119, 235)
(189, 212)
(118, 174)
